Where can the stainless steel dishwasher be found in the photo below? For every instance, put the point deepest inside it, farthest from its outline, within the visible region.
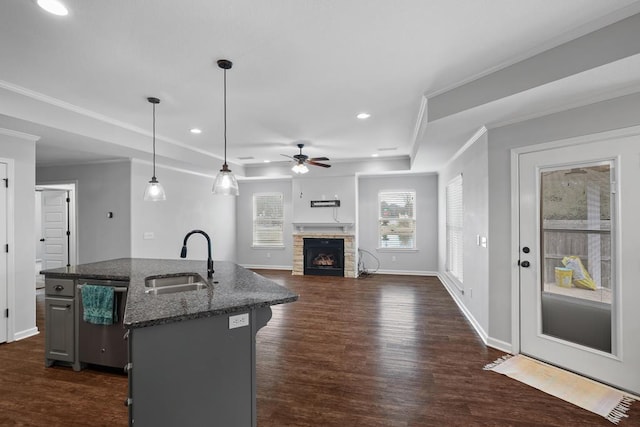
(103, 345)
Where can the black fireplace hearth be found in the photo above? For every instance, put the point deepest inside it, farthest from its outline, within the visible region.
(324, 257)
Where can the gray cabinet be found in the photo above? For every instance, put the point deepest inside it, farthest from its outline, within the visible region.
(195, 372)
(59, 330)
(60, 323)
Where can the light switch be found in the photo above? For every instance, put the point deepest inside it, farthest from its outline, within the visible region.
(483, 241)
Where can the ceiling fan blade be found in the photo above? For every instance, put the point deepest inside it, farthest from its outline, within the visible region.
(287, 156)
(321, 159)
(311, 162)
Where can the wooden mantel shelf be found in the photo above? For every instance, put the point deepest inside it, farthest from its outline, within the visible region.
(301, 226)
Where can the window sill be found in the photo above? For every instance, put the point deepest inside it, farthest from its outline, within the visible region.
(396, 250)
(270, 247)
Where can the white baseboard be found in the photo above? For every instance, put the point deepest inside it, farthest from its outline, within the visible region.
(267, 267)
(500, 345)
(486, 339)
(26, 334)
(407, 272)
(455, 294)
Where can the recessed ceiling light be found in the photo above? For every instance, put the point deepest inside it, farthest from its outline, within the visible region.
(267, 161)
(363, 116)
(54, 6)
(196, 131)
(375, 155)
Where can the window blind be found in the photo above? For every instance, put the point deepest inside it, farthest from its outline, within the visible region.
(397, 219)
(268, 219)
(455, 226)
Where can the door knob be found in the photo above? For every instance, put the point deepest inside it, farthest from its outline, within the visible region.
(42, 240)
(525, 264)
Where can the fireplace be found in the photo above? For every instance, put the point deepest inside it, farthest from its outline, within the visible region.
(323, 257)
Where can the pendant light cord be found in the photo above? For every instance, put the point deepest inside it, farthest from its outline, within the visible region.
(225, 117)
(154, 141)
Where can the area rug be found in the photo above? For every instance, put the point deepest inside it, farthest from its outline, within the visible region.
(598, 398)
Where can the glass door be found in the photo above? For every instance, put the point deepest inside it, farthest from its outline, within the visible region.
(578, 262)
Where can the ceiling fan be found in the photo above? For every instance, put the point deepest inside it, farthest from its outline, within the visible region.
(301, 159)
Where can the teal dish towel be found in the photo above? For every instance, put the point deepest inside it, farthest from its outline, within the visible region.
(98, 304)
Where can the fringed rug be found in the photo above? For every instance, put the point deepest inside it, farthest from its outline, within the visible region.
(598, 398)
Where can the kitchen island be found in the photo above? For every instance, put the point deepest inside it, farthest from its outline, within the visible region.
(191, 352)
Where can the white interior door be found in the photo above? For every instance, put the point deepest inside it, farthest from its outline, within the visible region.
(581, 202)
(3, 253)
(54, 229)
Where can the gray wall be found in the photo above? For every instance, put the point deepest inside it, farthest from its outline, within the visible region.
(603, 116)
(307, 189)
(101, 188)
(22, 152)
(473, 165)
(424, 259)
(271, 256)
(190, 205)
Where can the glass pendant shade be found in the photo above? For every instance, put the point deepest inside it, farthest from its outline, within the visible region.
(154, 192)
(226, 183)
(300, 168)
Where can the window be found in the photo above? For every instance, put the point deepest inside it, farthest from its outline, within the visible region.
(455, 219)
(268, 219)
(397, 219)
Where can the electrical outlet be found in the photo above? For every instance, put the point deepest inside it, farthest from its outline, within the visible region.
(148, 235)
(238, 321)
(393, 258)
(268, 254)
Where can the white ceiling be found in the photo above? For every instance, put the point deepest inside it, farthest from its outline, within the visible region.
(302, 71)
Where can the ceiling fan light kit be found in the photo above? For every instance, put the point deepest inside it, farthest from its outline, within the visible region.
(225, 183)
(300, 167)
(154, 192)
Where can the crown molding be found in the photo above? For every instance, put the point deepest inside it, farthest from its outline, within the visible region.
(37, 96)
(21, 135)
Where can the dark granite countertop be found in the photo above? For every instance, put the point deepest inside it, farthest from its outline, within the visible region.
(232, 289)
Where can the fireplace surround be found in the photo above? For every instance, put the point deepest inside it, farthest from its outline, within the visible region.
(349, 250)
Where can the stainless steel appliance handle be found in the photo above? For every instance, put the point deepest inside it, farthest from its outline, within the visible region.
(115, 288)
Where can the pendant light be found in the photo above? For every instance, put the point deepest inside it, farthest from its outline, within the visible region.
(154, 191)
(225, 184)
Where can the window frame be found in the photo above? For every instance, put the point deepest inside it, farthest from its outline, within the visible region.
(454, 228)
(399, 194)
(273, 244)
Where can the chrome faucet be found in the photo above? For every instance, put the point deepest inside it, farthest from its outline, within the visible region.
(183, 252)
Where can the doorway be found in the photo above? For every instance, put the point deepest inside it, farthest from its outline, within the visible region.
(56, 236)
(578, 248)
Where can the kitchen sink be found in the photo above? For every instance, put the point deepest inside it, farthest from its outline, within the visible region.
(175, 283)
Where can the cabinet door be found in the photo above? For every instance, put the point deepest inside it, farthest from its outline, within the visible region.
(59, 329)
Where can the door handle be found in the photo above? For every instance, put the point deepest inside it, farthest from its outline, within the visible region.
(525, 264)
(42, 240)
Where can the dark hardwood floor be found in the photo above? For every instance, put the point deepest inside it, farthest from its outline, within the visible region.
(376, 351)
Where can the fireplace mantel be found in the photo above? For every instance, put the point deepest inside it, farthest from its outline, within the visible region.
(322, 226)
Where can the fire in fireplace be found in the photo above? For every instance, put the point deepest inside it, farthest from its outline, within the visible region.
(324, 257)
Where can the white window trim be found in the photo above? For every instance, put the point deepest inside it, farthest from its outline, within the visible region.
(453, 273)
(253, 221)
(414, 248)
